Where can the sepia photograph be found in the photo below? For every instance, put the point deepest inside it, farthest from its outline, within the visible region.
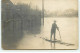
(39, 24)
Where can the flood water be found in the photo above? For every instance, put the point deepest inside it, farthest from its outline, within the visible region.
(69, 34)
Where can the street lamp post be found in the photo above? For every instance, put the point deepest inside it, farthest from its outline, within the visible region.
(43, 11)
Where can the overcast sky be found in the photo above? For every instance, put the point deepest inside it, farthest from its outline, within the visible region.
(51, 5)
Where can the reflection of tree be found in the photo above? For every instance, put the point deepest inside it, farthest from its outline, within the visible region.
(16, 19)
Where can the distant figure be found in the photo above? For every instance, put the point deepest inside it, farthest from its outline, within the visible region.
(53, 30)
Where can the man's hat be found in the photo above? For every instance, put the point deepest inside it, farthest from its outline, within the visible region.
(54, 20)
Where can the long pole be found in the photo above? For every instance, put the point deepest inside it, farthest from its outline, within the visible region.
(60, 35)
(43, 11)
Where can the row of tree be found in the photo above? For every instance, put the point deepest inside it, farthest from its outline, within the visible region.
(66, 13)
(15, 20)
